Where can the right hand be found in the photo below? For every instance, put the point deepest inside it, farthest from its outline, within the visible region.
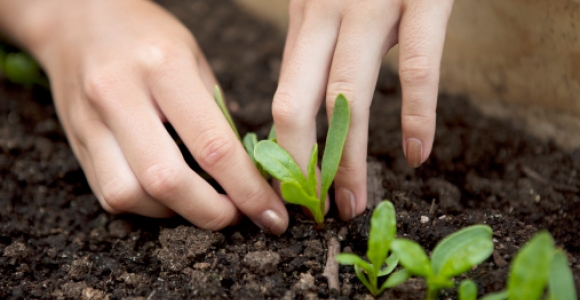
(119, 70)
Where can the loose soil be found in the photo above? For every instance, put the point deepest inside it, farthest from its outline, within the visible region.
(57, 243)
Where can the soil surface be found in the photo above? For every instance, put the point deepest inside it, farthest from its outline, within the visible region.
(57, 243)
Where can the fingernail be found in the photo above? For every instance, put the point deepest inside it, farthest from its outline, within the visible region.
(271, 222)
(414, 152)
(345, 201)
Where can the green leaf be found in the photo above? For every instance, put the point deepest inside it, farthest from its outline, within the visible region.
(272, 134)
(295, 193)
(461, 250)
(412, 257)
(496, 296)
(467, 290)
(382, 232)
(335, 139)
(561, 283)
(353, 259)
(395, 279)
(276, 161)
(217, 94)
(392, 262)
(530, 268)
(21, 68)
(250, 140)
(312, 180)
(361, 276)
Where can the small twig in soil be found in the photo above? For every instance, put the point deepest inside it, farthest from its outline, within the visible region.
(557, 186)
(331, 268)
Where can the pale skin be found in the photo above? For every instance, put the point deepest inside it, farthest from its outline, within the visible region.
(120, 69)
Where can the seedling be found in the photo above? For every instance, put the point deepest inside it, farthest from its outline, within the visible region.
(295, 187)
(537, 265)
(250, 140)
(454, 255)
(382, 233)
(20, 68)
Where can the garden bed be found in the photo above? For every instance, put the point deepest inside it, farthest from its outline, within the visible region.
(56, 241)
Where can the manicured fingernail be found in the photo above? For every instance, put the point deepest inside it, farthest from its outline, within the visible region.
(271, 222)
(414, 152)
(346, 204)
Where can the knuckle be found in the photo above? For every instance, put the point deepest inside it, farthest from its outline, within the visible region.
(251, 197)
(418, 120)
(98, 86)
(215, 149)
(417, 70)
(120, 195)
(217, 221)
(286, 111)
(160, 54)
(162, 180)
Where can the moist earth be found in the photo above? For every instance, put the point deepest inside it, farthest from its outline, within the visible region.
(57, 243)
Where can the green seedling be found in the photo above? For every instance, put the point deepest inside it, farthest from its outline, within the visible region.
(250, 140)
(382, 233)
(295, 187)
(20, 68)
(454, 255)
(467, 290)
(537, 265)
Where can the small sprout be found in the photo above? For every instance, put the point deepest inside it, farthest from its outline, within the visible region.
(454, 255)
(250, 140)
(295, 187)
(217, 94)
(382, 233)
(21, 68)
(467, 290)
(538, 264)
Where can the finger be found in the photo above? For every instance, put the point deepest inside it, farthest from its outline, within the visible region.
(119, 187)
(303, 80)
(354, 72)
(421, 38)
(197, 119)
(153, 155)
(295, 20)
(82, 156)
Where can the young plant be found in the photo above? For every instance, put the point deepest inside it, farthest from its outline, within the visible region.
(454, 255)
(295, 187)
(382, 233)
(250, 140)
(537, 265)
(21, 68)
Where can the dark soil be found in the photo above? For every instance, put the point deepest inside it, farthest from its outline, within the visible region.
(56, 242)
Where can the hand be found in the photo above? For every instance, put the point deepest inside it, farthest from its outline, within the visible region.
(118, 71)
(337, 47)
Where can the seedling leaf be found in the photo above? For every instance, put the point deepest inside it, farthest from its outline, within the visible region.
(496, 296)
(217, 94)
(412, 257)
(250, 140)
(335, 139)
(382, 232)
(529, 271)
(353, 259)
(272, 133)
(276, 161)
(361, 276)
(561, 282)
(312, 180)
(395, 279)
(391, 262)
(461, 250)
(467, 290)
(295, 194)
